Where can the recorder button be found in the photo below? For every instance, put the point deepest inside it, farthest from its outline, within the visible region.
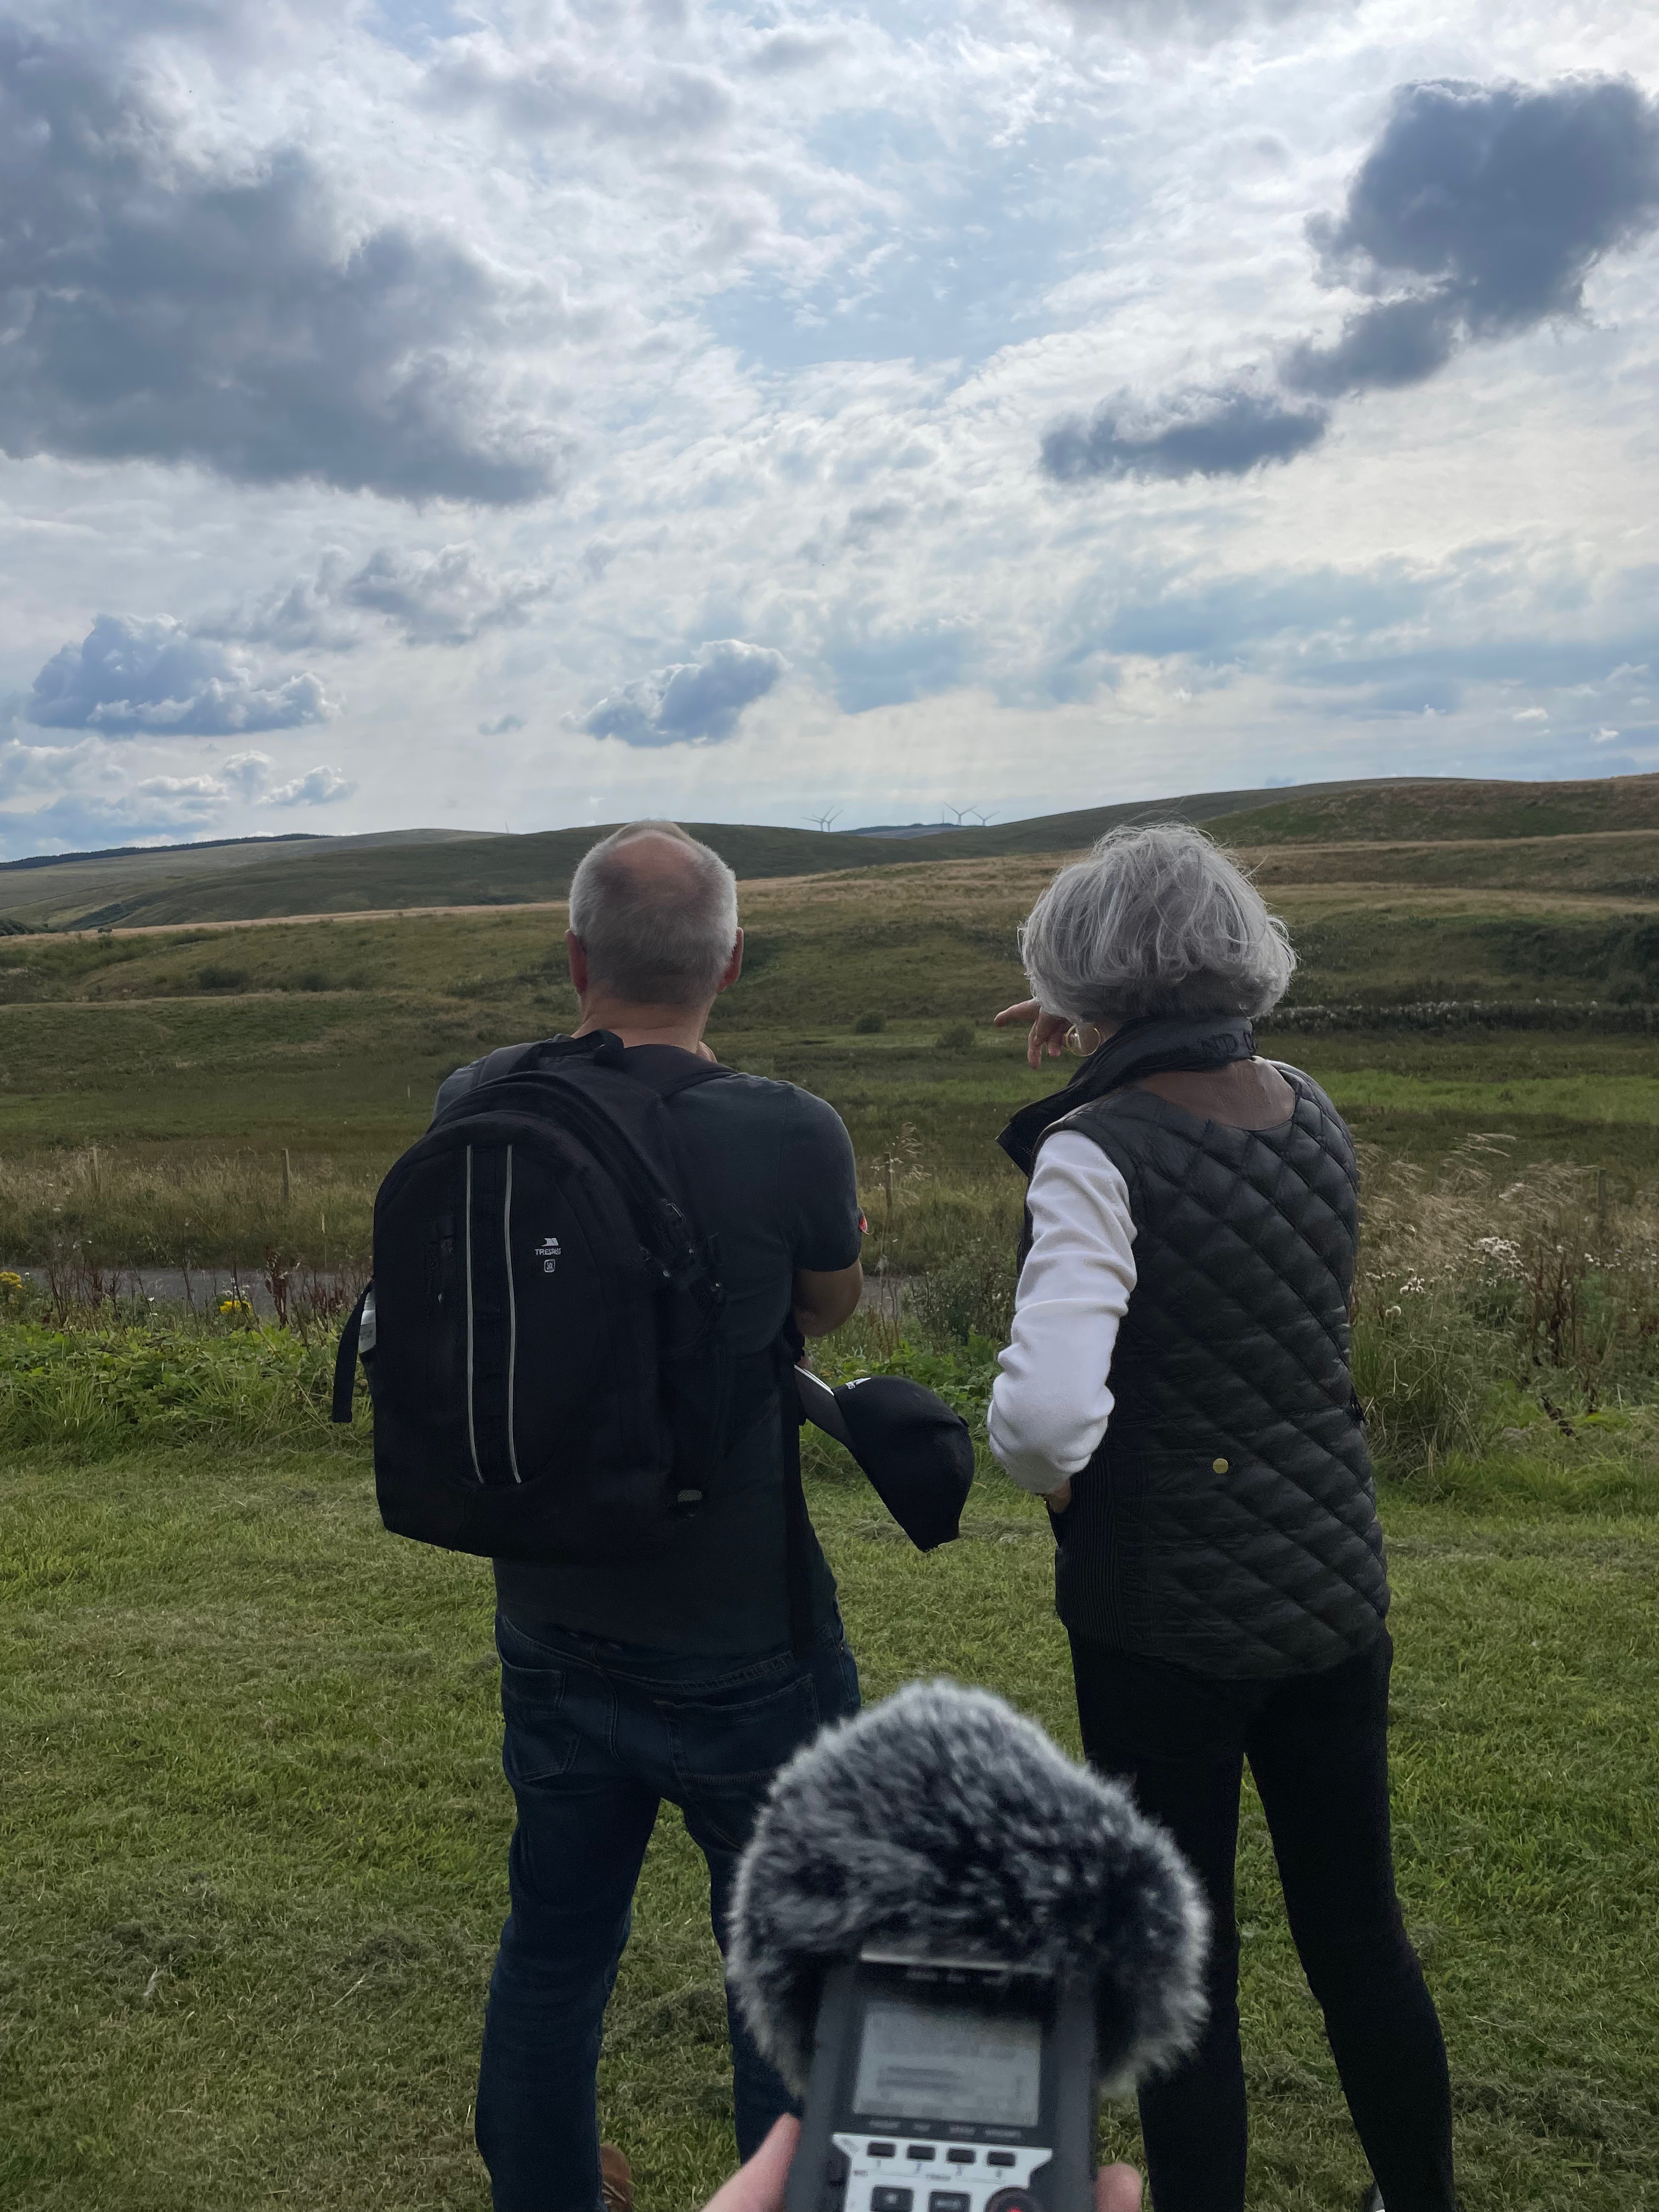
(960, 2157)
(883, 2150)
(1000, 2158)
(891, 2200)
(948, 2200)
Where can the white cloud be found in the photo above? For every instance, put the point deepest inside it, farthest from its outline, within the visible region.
(249, 777)
(133, 675)
(689, 702)
(317, 786)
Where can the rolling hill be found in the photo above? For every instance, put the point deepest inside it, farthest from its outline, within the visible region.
(70, 891)
(1411, 829)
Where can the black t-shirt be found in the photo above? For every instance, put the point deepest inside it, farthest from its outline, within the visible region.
(773, 1183)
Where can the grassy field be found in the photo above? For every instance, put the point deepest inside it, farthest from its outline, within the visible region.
(252, 1842)
(195, 1060)
(254, 1839)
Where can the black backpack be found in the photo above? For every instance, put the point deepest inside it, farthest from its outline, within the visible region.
(548, 1370)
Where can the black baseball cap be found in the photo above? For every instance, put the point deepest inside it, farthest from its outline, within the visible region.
(917, 1453)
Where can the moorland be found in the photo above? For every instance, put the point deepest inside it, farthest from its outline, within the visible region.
(254, 1829)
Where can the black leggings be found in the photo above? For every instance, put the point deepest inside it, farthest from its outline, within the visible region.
(1318, 1749)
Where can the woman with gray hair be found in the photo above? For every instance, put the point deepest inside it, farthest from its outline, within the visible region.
(1177, 1388)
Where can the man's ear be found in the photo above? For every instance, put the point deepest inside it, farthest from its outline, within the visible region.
(734, 968)
(576, 955)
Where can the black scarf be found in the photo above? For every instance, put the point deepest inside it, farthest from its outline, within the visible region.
(1147, 1046)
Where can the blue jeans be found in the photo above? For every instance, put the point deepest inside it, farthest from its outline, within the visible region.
(596, 1734)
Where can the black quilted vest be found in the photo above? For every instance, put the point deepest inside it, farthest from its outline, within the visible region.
(1228, 1521)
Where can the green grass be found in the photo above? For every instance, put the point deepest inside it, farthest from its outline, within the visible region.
(252, 1835)
(254, 1838)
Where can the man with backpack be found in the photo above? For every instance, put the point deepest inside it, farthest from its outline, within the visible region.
(692, 1669)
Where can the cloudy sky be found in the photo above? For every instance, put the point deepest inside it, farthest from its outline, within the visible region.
(421, 412)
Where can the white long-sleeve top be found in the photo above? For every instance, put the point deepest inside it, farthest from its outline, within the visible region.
(1050, 1404)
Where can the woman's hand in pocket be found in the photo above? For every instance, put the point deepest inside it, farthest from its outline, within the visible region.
(1058, 1500)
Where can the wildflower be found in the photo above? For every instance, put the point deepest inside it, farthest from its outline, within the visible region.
(1501, 1254)
(238, 1306)
(11, 1279)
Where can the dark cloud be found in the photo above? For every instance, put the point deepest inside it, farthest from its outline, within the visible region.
(133, 677)
(447, 598)
(159, 310)
(1398, 341)
(1480, 213)
(1484, 207)
(691, 702)
(1224, 433)
(442, 599)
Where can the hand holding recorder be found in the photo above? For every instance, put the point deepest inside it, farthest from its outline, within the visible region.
(949, 1937)
(758, 2186)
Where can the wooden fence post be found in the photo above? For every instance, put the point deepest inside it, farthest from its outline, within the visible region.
(288, 1179)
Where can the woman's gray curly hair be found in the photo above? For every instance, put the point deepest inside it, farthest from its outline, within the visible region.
(1156, 921)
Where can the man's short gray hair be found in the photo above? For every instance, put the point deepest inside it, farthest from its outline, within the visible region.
(1156, 921)
(657, 938)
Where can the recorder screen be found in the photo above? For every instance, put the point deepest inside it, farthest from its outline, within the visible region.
(947, 2062)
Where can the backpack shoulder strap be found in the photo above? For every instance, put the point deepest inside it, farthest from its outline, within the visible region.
(345, 1361)
(597, 1046)
(506, 1060)
(683, 1078)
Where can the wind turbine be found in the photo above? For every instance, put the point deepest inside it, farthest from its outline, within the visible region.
(822, 821)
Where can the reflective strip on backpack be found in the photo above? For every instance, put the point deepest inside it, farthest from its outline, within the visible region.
(472, 1432)
(511, 1317)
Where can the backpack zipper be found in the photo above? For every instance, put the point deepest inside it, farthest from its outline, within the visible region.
(512, 1317)
(472, 1432)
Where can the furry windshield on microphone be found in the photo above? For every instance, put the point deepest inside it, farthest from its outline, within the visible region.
(944, 1823)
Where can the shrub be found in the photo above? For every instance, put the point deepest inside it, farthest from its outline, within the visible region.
(870, 1024)
(215, 978)
(957, 1036)
(970, 1295)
